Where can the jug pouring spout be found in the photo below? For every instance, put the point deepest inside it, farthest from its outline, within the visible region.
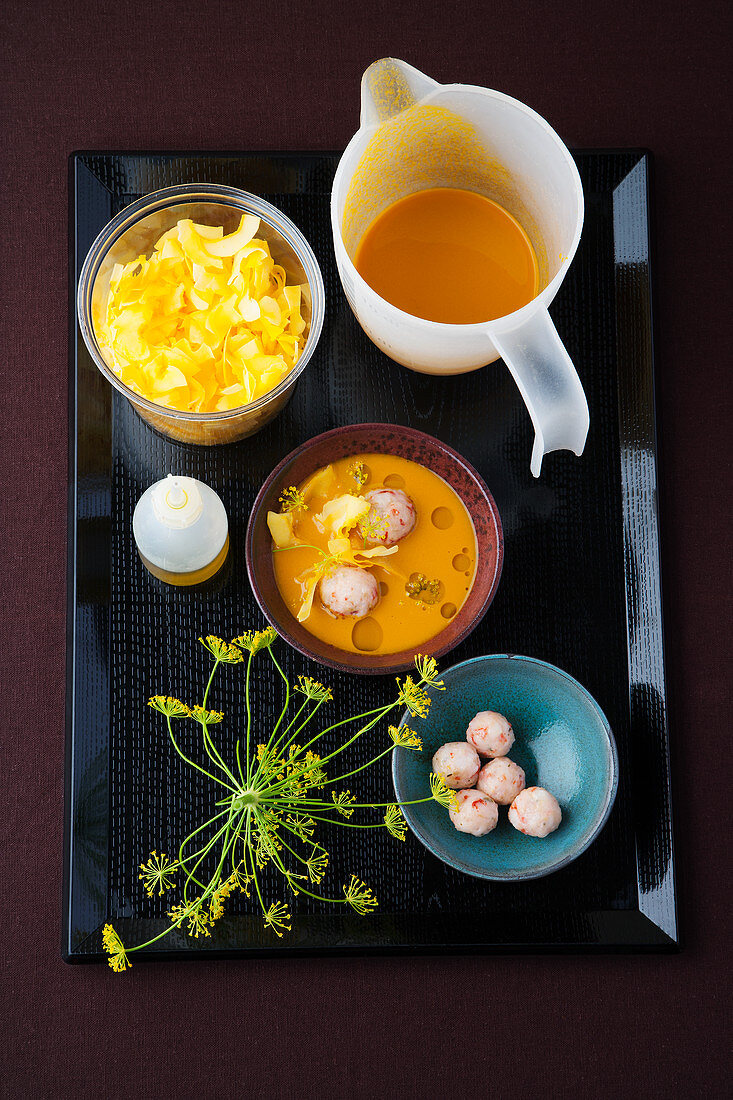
(547, 381)
(388, 87)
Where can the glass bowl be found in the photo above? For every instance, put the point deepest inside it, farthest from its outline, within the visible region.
(134, 231)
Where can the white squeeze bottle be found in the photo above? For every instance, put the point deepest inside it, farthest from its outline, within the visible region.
(181, 530)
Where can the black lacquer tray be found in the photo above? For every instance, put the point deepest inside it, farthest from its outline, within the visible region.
(580, 588)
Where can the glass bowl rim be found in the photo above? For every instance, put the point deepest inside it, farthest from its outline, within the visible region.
(217, 194)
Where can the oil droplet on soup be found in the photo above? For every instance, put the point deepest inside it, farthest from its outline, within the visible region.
(394, 481)
(367, 634)
(442, 518)
(461, 562)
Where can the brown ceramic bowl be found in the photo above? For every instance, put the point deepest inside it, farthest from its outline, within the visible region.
(376, 439)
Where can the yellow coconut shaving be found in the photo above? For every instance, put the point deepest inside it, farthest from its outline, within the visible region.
(206, 323)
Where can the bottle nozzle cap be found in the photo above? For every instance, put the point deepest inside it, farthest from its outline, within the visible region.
(176, 496)
(176, 501)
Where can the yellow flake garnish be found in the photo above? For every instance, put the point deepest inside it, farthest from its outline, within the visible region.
(206, 323)
(339, 515)
(282, 529)
(321, 483)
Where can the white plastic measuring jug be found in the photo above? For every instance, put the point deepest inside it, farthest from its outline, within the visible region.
(416, 134)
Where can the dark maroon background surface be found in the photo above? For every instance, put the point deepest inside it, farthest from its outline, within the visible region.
(226, 75)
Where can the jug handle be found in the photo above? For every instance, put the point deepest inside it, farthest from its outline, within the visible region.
(548, 383)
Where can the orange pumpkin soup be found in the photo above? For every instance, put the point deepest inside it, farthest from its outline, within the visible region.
(408, 585)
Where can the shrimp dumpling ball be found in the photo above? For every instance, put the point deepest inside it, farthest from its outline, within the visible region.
(535, 812)
(457, 764)
(477, 814)
(501, 779)
(490, 733)
(348, 590)
(391, 518)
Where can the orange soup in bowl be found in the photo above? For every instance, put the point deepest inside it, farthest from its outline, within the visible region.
(373, 553)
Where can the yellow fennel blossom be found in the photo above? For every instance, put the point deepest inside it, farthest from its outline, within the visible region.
(344, 802)
(302, 827)
(395, 821)
(313, 690)
(357, 470)
(373, 527)
(112, 944)
(196, 916)
(428, 669)
(422, 589)
(255, 640)
(359, 896)
(414, 698)
(278, 918)
(220, 894)
(222, 651)
(206, 717)
(239, 879)
(442, 794)
(292, 500)
(316, 864)
(405, 738)
(166, 704)
(157, 874)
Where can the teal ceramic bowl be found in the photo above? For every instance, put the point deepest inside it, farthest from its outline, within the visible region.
(563, 742)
